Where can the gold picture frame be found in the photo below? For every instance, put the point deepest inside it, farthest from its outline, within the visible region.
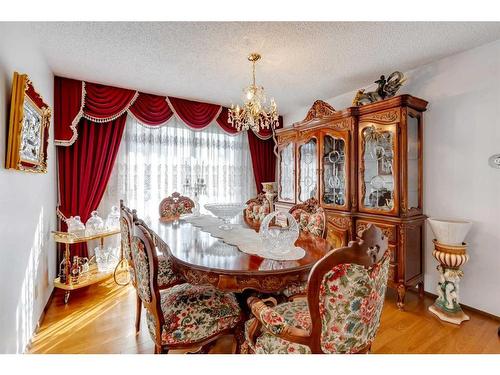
(28, 135)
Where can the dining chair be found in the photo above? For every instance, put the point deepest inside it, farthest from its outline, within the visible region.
(185, 315)
(175, 205)
(312, 220)
(341, 314)
(166, 276)
(311, 217)
(256, 209)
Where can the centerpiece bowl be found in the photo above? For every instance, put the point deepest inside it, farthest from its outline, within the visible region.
(225, 211)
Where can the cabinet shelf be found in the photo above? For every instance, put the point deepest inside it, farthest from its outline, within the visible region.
(70, 238)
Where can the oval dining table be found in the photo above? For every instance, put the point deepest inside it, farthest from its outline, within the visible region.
(203, 259)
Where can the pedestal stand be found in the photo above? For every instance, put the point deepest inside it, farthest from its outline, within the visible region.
(450, 258)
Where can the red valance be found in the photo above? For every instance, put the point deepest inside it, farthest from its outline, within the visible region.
(196, 115)
(99, 103)
(106, 103)
(151, 109)
(222, 121)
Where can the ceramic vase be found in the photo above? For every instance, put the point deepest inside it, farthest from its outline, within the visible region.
(450, 251)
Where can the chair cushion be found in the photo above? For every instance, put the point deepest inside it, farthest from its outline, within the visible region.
(296, 314)
(166, 275)
(194, 313)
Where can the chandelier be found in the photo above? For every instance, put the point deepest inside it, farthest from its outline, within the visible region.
(255, 114)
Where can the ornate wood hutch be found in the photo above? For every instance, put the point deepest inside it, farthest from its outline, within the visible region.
(364, 165)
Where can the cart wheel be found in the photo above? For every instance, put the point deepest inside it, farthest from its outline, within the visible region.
(66, 297)
(121, 273)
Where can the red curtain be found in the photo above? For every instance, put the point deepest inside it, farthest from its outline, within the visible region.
(263, 159)
(151, 110)
(67, 106)
(85, 167)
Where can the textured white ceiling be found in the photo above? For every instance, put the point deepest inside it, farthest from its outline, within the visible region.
(207, 61)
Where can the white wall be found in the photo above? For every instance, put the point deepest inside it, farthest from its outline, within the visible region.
(462, 129)
(27, 201)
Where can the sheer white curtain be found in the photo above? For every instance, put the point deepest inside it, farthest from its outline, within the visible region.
(152, 163)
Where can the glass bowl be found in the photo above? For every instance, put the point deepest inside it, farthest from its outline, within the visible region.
(225, 211)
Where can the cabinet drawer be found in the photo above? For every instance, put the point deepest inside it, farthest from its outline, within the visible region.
(388, 229)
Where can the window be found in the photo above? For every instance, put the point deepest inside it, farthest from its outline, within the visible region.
(152, 163)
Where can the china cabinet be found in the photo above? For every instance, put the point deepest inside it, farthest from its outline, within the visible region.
(364, 165)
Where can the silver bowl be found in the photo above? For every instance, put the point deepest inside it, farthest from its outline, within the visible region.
(225, 211)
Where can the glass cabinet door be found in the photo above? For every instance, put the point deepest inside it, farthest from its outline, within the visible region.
(334, 156)
(308, 170)
(287, 174)
(378, 166)
(413, 167)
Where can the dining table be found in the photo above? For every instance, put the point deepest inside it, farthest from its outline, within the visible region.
(204, 259)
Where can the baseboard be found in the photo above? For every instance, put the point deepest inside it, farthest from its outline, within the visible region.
(40, 321)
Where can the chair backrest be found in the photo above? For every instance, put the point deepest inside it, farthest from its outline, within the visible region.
(174, 206)
(257, 208)
(310, 216)
(346, 291)
(146, 270)
(126, 227)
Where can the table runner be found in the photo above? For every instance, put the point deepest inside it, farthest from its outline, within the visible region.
(247, 240)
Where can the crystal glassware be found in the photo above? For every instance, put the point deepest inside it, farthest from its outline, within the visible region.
(75, 226)
(106, 258)
(113, 219)
(94, 225)
(279, 240)
(225, 211)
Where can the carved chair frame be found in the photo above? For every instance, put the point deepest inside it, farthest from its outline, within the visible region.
(370, 249)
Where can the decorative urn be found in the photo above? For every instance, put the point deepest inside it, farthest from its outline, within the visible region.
(450, 251)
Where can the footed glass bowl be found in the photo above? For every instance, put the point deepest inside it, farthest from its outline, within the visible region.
(225, 211)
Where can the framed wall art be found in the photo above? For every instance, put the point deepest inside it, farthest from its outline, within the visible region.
(28, 135)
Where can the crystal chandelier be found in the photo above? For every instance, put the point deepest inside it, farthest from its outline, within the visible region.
(255, 114)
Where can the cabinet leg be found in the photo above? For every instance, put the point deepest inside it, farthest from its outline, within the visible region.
(66, 297)
(420, 287)
(401, 296)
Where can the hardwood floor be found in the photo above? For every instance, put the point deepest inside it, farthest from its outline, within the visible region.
(100, 319)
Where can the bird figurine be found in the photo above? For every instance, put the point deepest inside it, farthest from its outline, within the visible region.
(386, 88)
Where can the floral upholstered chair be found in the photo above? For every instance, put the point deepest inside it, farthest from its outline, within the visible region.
(174, 206)
(312, 220)
(166, 276)
(256, 209)
(310, 216)
(185, 315)
(345, 296)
